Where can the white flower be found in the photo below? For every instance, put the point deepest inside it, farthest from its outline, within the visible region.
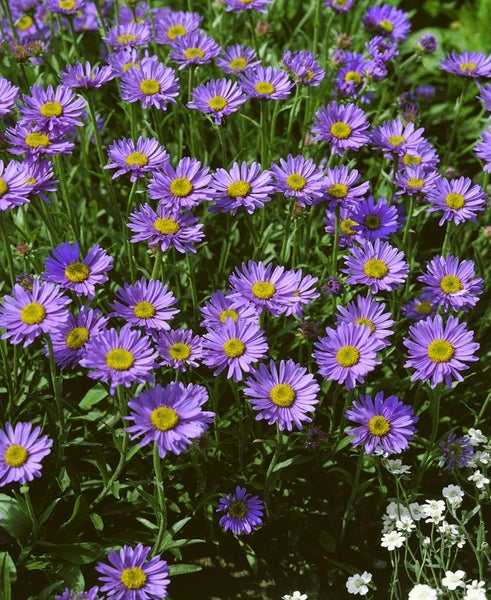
(427, 541)
(453, 494)
(476, 437)
(392, 540)
(416, 511)
(422, 592)
(396, 511)
(296, 596)
(478, 478)
(357, 583)
(433, 511)
(453, 579)
(475, 590)
(482, 456)
(395, 466)
(405, 524)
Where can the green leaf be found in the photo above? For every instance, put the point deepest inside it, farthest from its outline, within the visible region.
(45, 515)
(8, 574)
(81, 553)
(97, 521)
(183, 569)
(15, 520)
(92, 397)
(79, 513)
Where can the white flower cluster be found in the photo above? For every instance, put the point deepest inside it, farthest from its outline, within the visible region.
(295, 596)
(453, 580)
(357, 584)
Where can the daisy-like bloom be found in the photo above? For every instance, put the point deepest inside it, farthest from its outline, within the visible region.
(194, 48)
(242, 511)
(451, 283)
(347, 354)
(339, 6)
(415, 180)
(282, 394)
(423, 154)
(304, 67)
(382, 49)
(341, 189)
(304, 292)
(376, 220)
(453, 579)
(40, 177)
(342, 125)
(241, 5)
(8, 95)
(67, 268)
(183, 187)
(174, 24)
(392, 540)
(218, 98)
(70, 594)
(32, 140)
(458, 200)
(418, 309)
(267, 287)
(128, 35)
(421, 591)
(438, 351)
(388, 21)
(14, 189)
(179, 349)
(457, 452)
(351, 76)
(152, 84)
(396, 138)
(299, 178)
(165, 227)
(130, 576)
(70, 338)
(121, 358)
(124, 59)
(267, 83)
(170, 416)
(378, 265)
(219, 308)
(86, 76)
(369, 312)
(476, 590)
(384, 423)
(137, 158)
(21, 451)
(241, 186)
(467, 64)
(346, 227)
(453, 495)
(236, 58)
(146, 303)
(65, 7)
(27, 314)
(483, 149)
(357, 584)
(485, 95)
(235, 346)
(478, 479)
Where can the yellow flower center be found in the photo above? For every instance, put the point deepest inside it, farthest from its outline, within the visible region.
(375, 268)
(16, 455)
(338, 190)
(296, 182)
(340, 130)
(175, 31)
(36, 140)
(133, 578)
(414, 182)
(238, 64)
(144, 310)
(451, 284)
(234, 348)
(136, 158)
(238, 189)
(181, 187)
(3, 187)
(467, 66)
(32, 314)
(164, 418)
(129, 65)
(119, 359)
(440, 351)
(191, 53)
(396, 140)
(149, 87)
(126, 39)
(263, 290)
(24, 23)
(282, 395)
(180, 351)
(424, 307)
(386, 25)
(66, 4)
(372, 222)
(353, 76)
(410, 160)
(166, 226)
(379, 426)
(51, 109)
(77, 338)
(76, 272)
(455, 201)
(365, 321)
(346, 226)
(238, 509)
(264, 87)
(217, 103)
(347, 356)
(229, 314)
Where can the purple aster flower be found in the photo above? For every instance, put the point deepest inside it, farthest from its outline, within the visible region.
(219, 308)
(304, 291)
(146, 303)
(86, 19)
(370, 313)
(304, 67)
(418, 309)
(483, 149)
(128, 35)
(8, 96)
(387, 20)
(40, 177)
(236, 58)
(299, 178)
(484, 96)
(241, 5)
(269, 287)
(21, 451)
(86, 76)
(194, 48)
(66, 268)
(135, 14)
(165, 227)
(65, 7)
(382, 49)
(218, 98)
(282, 394)
(340, 6)
(130, 576)
(396, 138)
(267, 83)
(29, 313)
(31, 140)
(72, 335)
(70, 594)
(467, 64)
(124, 59)
(384, 423)
(183, 187)
(378, 265)
(415, 180)
(144, 156)
(423, 92)
(438, 351)
(376, 220)
(170, 416)
(458, 200)
(121, 358)
(332, 286)
(235, 345)
(174, 24)
(351, 77)
(179, 349)
(451, 283)
(152, 84)
(342, 125)
(346, 227)
(422, 154)
(347, 354)
(341, 189)
(457, 452)
(14, 189)
(427, 43)
(243, 512)
(241, 186)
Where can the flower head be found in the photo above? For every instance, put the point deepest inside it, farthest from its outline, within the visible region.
(86, 76)
(218, 98)
(152, 84)
(376, 219)
(8, 96)
(70, 594)
(128, 35)
(174, 24)
(34, 141)
(136, 158)
(341, 189)
(304, 67)
(421, 591)
(468, 64)
(219, 308)
(299, 178)
(357, 584)
(458, 200)
(268, 83)
(344, 126)
(194, 48)
(457, 452)
(368, 312)
(388, 21)
(179, 348)
(241, 5)
(453, 579)
(237, 58)
(243, 511)
(14, 189)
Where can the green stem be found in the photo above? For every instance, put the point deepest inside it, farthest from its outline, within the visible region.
(286, 234)
(407, 225)
(57, 383)
(446, 241)
(354, 489)
(194, 290)
(317, 23)
(268, 483)
(435, 421)
(334, 264)
(67, 201)
(263, 127)
(161, 515)
(157, 265)
(293, 112)
(8, 248)
(30, 510)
